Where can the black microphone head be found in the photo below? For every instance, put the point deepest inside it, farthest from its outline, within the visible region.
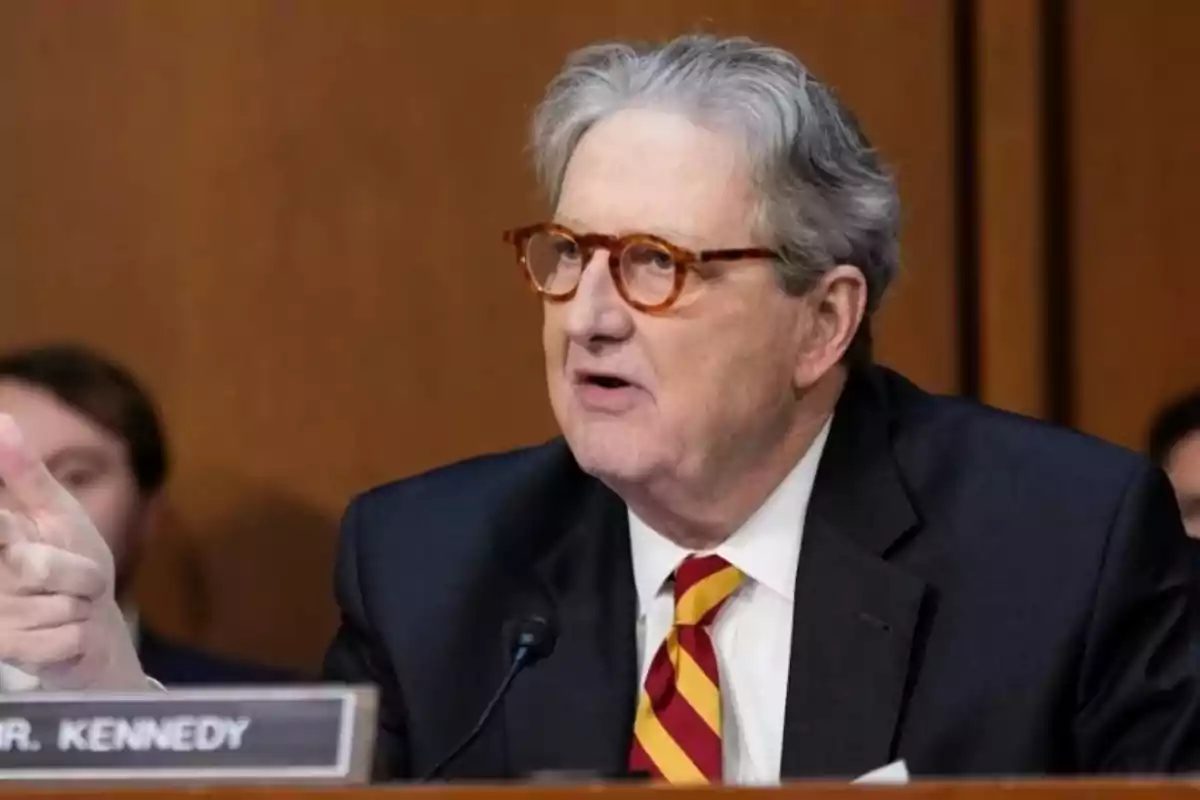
(535, 635)
(529, 640)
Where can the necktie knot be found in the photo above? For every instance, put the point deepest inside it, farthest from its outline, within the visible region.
(702, 585)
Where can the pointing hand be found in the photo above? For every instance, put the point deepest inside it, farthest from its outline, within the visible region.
(59, 619)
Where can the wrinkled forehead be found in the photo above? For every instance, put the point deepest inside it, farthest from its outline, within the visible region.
(51, 426)
(659, 172)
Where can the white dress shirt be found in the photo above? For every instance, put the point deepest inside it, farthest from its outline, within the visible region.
(752, 634)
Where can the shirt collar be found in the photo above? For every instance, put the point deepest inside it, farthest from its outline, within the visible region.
(766, 547)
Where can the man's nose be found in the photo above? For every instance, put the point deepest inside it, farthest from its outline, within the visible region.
(597, 310)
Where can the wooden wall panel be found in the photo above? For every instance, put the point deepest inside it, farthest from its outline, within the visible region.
(1134, 144)
(286, 216)
(1010, 204)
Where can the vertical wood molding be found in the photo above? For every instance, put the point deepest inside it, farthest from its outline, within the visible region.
(1011, 204)
(964, 75)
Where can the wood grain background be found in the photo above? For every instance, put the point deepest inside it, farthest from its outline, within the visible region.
(285, 216)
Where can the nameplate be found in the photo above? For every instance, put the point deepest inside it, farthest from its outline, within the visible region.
(320, 734)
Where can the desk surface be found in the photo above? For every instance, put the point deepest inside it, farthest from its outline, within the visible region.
(1140, 789)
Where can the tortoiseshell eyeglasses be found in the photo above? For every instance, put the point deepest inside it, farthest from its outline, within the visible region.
(647, 270)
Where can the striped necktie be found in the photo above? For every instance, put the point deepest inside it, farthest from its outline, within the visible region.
(677, 732)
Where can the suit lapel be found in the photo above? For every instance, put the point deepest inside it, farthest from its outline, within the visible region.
(574, 710)
(855, 613)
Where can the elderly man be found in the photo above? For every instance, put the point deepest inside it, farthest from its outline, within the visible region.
(753, 555)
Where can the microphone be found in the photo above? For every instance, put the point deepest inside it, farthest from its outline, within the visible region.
(534, 640)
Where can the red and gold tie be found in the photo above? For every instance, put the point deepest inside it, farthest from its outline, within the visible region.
(677, 732)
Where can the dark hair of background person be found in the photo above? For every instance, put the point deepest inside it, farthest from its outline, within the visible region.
(104, 392)
(1173, 424)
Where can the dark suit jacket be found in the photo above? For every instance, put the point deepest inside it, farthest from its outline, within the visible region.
(977, 593)
(175, 664)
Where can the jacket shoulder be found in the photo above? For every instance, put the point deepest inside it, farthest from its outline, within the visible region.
(473, 516)
(1013, 447)
(425, 564)
(470, 487)
(954, 440)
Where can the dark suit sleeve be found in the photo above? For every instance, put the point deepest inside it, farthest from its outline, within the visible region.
(356, 656)
(1138, 708)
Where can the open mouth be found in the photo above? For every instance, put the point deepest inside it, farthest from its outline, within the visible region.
(605, 381)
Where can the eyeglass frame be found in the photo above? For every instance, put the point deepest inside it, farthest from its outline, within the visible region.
(682, 258)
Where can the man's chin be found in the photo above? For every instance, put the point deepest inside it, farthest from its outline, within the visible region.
(613, 456)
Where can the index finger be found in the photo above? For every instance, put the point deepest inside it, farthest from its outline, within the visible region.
(43, 568)
(13, 529)
(27, 479)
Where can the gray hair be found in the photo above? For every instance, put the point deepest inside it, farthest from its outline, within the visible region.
(825, 197)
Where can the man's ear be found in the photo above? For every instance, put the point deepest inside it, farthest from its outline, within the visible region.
(837, 305)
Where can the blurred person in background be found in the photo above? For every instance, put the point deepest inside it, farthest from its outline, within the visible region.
(1174, 444)
(99, 434)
